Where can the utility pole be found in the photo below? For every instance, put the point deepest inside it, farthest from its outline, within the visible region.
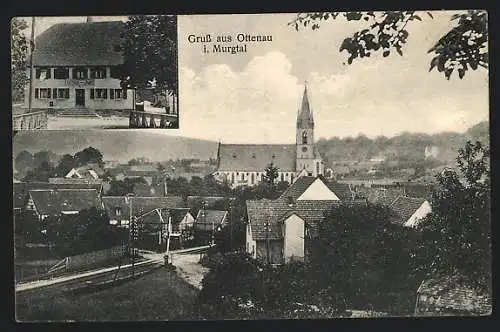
(267, 241)
(132, 230)
(32, 48)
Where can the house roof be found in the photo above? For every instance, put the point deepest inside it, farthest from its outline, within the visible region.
(79, 44)
(140, 205)
(208, 218)
(50, 202)
(296, 189)
(344, 191)
(21, 189)
(275, 211)
(404, 207)
(383, 196)
(453, 292)
(178, 214)
(210, 200)
(86, 181)
(256, 157)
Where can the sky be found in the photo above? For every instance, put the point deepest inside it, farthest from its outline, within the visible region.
(254, 97)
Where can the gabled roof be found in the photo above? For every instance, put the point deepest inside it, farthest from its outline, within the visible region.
(79, 44)
(82, 173)
(206, 219)
(404, 207)
(344, 191)
(298, 187)
(275, 211)
(51, 202)
(178, 214)
(256, 157)
(21, 189)
(453, 293)
(140, 205)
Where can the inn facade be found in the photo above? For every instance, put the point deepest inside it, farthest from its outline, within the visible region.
(76, 66)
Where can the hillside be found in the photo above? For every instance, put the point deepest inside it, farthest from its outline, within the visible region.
(406, 146)
(117, 144)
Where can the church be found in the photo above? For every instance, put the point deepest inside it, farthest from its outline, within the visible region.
(245, 164)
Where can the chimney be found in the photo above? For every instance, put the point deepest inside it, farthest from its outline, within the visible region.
(89, 19)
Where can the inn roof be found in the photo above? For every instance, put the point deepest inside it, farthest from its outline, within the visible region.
(50, 202)
(80, 44)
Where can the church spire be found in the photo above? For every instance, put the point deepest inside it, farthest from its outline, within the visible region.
(305, 116)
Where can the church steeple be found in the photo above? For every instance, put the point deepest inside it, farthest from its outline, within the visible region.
(305, 116)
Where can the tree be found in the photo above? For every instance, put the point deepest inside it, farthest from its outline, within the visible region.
(464, 45)
(123, 187)
(150, 51)
(456, 236)
(42, 173)
(19, 55)
(23, 161)
(41, 157)
(89, 155)
(66, 164)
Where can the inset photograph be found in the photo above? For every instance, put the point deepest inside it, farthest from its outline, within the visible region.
(103, 72)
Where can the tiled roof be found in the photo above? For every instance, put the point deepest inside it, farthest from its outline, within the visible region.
(21, 189)
(178, 214)
(210, 200)
(341, 190)
(275, 211)
(452, 293)
(79, 44)
(298, 187)
(206, 219)
(75, 181)
(140, 205)
(384, 196)
(50, 202)
(256, 157)
(404, 207)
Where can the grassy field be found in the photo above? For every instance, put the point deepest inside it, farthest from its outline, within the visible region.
(159, 295)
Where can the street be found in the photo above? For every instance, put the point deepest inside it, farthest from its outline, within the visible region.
(77, 123)
(189, 268)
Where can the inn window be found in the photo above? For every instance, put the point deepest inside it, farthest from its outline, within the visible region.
(43, 93)
(80, 73)
(115, 93)
(61, 73)
(43, 73)
(98, 93)
(61, 93)
(98, 72)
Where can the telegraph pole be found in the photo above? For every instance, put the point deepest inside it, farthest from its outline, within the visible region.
(32, 44)
(267, 241)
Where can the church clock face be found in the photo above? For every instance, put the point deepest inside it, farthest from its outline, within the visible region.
(304, 149)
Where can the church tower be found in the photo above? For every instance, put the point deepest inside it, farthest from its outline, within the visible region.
(306, 152)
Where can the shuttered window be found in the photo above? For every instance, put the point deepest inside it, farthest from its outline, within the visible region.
(91, 93)
(36, 93)
(111, 94)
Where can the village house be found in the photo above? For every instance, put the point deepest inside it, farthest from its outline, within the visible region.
(451, 295)
(53, 202)
(409, 211)
(278, 230)
(158, 224)
(245, 164)
(76, 67)
(207, 223)
(21, 190)
(118, 207)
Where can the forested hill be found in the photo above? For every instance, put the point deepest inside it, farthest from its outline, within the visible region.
(408, 146)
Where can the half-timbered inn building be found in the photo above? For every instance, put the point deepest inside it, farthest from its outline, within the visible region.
(75, 66)
(245, 164)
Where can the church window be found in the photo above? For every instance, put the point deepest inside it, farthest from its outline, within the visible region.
(232, 177)
(304, 138)
(317, 167)
(291, 179)
(304, 149)
(282, 177)
(274, 156)
(242, 176)
(253, 178)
